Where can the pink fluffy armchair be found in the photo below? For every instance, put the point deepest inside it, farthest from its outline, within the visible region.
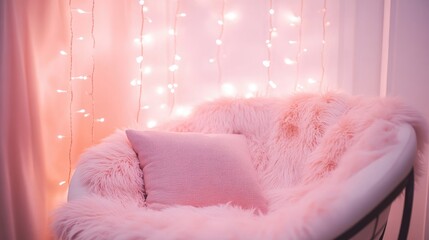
(322, 167)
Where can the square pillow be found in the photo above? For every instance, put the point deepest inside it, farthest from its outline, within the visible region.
(197, 169)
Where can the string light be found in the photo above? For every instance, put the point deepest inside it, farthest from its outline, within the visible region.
(299, 51)
(219, 42)
(61, 183)
(62, 52)
(228, 90)
(151, 123)
(267, 63)
(173, 66)
(139, 59)
(322, 54)
(70, 91)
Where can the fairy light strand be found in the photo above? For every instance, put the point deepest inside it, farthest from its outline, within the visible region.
(299, 51)
(221, 22)
(141, 62)
(71, 92)
(322, 54)
(93, 70)
(267, 64)
(173, 66)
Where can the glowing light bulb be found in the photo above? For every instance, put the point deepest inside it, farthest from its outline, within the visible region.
(300, 87)
(266, 63)
(100, 120)
(323, 42)
(274, 32)
(147, 70)
(249, 95)
(272, 84)
(86, 115)
(62, 52)
(177, 57)
(181, 15)
(183, 111)
(171, 31)
(139, 59)
(294, 19)
(80, 38)
(293, 42)
(137, 40)
(220, 22)
(60, 136)
(151, 123)
(328, 24)
(145, 107)
(218, 42)
(62, 183)
(271, 11)
(136, 82)
(160, 90)
(61, 91)
(253, 87)
(228, 89)
(173, 68)
(163, 106)
(141, 2)
(230, 16)
(80, 11)
(148, 38)
(269, 44)
(305, 50)
(145, 9)
(211, 60)
(311, 81)
(81, 111)
(289, 61)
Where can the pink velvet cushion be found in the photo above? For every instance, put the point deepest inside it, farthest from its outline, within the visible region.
(196, 169)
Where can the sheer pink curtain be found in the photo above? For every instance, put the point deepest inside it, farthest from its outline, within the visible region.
(25, 194)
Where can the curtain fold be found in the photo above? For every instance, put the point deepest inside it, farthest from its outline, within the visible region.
(22, 174)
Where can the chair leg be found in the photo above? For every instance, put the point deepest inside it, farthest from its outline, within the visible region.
(408, 207)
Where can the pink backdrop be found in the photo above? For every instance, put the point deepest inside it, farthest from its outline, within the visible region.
(72, 72)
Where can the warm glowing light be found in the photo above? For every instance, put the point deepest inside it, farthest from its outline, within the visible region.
(293, 42)
(80, 11)
(181, 15)
(305, 50)
(81, 111)
(294, 19)
(80, 38)
(271, 11)
(145, 107)
(289, 61)
(147, 70)
(171, 31)
(272, 84)
(60, 136)
(253, 87)
(86, 115)
(163, 106)
(249, 95)
(83, 77)
(141, 2)
(220, 22)
(160, 90)
(173, 68)
(62, 52)
(266, 63)
(328, 24)
(151, 123)
(311, 81)
(299, 87)
(228, 89)
(211, 60)
(218, 42)
(62, 183)
(137, 40)
(269, 44)
(61, 91)
(100, 120)
(145, 9)
(177, 57)
(136, 82)
(148, 38)
(139, 59)
(231, 16)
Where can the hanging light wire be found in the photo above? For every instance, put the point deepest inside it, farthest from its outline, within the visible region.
(173, 83)
(142, 13)
(270, 83)
(299, 51)
(322, 54)
(93, 70)
(221, 22)
(70, 92)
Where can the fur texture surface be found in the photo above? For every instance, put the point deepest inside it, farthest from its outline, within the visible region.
(303, 148)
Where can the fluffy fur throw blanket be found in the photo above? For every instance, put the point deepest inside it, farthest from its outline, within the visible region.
(303, 148)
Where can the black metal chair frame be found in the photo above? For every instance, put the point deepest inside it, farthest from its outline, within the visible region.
(408, 184)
